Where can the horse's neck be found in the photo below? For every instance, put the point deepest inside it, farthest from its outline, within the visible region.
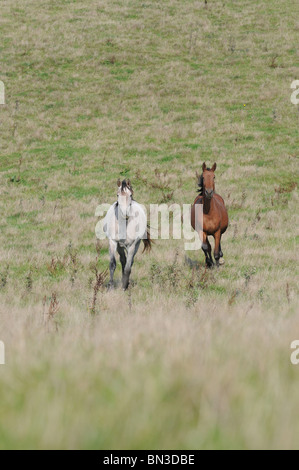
(137, 206)
(206, 205)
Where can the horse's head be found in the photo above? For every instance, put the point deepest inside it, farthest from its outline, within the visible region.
(124, 197)
(207, 181)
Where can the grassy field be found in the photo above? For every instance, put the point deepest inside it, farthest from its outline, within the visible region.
(148, 90)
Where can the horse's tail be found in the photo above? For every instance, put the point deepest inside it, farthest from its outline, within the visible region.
(147, 242)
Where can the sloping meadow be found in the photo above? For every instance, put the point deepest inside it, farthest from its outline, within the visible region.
(188, 357)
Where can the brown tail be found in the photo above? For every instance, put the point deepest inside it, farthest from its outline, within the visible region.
(147, 242)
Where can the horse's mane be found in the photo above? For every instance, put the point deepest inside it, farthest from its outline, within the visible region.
(125, 184)
(200, 183)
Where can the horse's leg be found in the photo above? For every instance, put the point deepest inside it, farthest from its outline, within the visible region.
(217, 237)
(130, 260)
(123, 258)
(221, 260)
(220, 250)
(205, 249)
(210, 251)
(112, 252)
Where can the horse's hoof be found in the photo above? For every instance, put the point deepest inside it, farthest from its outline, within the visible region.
(221, 261)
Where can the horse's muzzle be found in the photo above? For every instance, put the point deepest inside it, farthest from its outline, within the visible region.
(209, 193)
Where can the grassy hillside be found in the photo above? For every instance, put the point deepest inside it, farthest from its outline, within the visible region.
(148, 91)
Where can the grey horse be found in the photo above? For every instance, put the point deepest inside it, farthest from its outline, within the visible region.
(125, 225)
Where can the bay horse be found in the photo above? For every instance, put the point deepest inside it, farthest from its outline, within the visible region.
(215, 217)
(125, 225)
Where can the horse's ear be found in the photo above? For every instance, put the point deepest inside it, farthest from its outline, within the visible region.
(130, 186)
(204, 166)
(118, 183)
(214, 167)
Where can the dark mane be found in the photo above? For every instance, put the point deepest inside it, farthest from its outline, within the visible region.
(200, 183)
(126, 184)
